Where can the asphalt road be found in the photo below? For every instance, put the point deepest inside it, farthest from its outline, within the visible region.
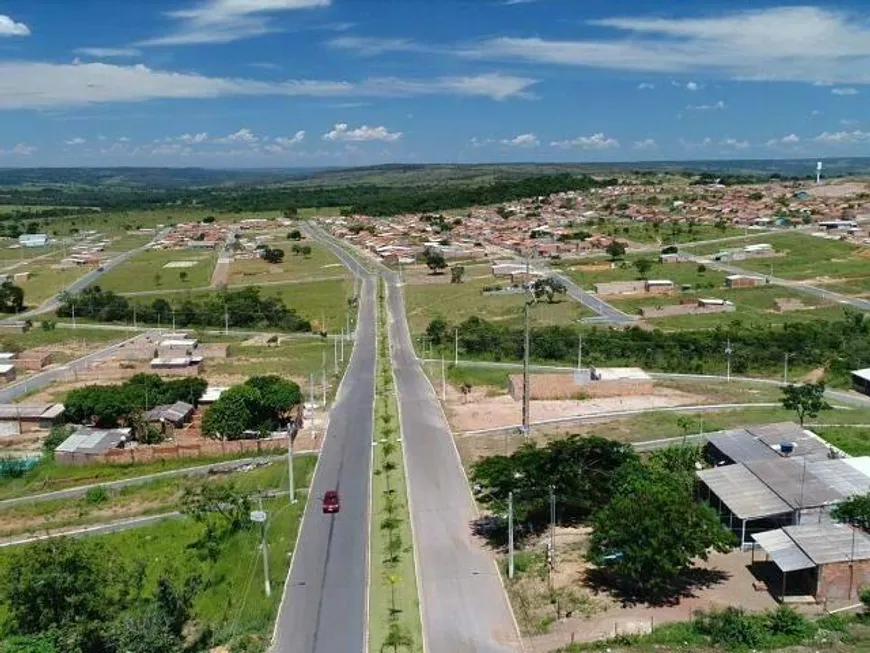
(605, 310)
(38, 381)
(324, 607)
(464, 605)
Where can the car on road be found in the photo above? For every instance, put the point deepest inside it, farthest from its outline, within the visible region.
(331, 502)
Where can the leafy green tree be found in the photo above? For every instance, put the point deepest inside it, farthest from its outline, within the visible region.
(548, 287)
(294, 234)
(643, 266)
(615, 250)
(28, 644)
(651, 531)
(218, 502)
(457, 272)
(183, 276)
(232, 414)
(273, 255)
(807, 400)
(277, 397)
(11, 298)
(855, 511)
(434, 260)
(436, 331)
(305, 250)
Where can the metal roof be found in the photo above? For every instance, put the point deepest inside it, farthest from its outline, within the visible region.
(88, 440)
(807, 445)
(785, 553)
(827, 543)
(841, 477)
(862, 374)
(794, 482)
(738, 445)
(744, 494)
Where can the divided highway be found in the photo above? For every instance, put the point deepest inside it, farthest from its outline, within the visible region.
(464, 605)
(323, 609)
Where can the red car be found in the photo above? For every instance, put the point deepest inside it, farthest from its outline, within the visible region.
(331, 503)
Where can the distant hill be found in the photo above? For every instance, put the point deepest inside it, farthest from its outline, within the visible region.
(400, 174)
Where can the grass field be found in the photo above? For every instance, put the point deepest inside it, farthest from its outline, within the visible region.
(680, 273)
(321, 263)
(38, 337)
(644, 232)
(748, 301)
(145, 271)
(457, 302)
(320, 301)
(854, 440)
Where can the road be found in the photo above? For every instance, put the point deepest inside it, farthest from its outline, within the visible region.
(464, 604)
(38, 381)
(324, 606)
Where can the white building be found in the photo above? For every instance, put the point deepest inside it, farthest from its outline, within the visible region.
(33, 240)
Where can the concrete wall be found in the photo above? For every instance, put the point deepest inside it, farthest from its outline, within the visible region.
(620, 287)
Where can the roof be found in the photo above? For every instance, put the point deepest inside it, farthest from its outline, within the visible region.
(660, 282)
(745, 495)
(621, 373)
(178, 342)
(807, 444)
(794, 482)
(87, 440)
(827, 543)
(861, 463)
(782, 549)
(7, 356)
(842, 477)
(6, 367)
(30, 411)
(176, 412)
(739, 445)
(212, 394)
(862, 374)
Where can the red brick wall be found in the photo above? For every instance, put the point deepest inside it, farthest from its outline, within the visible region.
(834, 580)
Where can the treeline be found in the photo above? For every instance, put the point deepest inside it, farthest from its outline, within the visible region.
(244, 308)
(30, 213)
(366, 199)
(838, 345)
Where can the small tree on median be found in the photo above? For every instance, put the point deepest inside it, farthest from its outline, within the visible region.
(807, 400)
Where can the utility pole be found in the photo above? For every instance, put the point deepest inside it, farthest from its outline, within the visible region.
(728, 352)
(456, 347)
(443, 380)
(347, 326)
(173, 321)
(226, 321)
(342, 344)
(553, 526)
(323, 380)
(265, 546)
(290, 476)
(580, 353)
(335, 355)
(785, 369)
(510, 534)
(134, 316)
(74, 314)
(526, 380)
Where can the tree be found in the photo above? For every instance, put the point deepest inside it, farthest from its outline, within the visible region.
(296, 249)
(643, 266)
(232, 413)
(305, 250)
(456, 273)
(855, 511)
(434, 260)
(615, 250)
(277, 398)
(157, 279)
(11, 298)
(290, 212)
(652, 530)
(294, 234)
(436, 331)
(218, 502)
(548, 287)
(273, 255)
(807, 400)
(183, 276)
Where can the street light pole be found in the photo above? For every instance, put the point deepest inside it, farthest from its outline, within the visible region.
(290, 472)
(785, 369)
(443, 381)
(510, 534)
(456, 347)
(728, 352)
(265, 546)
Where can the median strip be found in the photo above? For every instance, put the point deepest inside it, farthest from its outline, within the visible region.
(394, 607)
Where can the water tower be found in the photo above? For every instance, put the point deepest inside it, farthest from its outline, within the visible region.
(818, 173)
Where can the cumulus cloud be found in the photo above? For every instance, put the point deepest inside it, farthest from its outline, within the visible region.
(796, 43)
(341, 132)
(108, 53)
(522, 140)
(77, 140)
(717, 106)
(201, 137)
(223, 21)
(9, 27)
(298, 137)
(843, 137)
(372, 46)
(645, 144)
(645, 86)
(790, 139)
(244, 135)
(595, 142)
(26, 85)
(734, 143)
(692, 145)
(21, 149)
(844, 91)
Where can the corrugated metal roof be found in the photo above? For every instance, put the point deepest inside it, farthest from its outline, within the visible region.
(785, 553)
(89, 440)
(744, 494)
(794, 482)
(738, 445)
(807, 445)
(827, 543)
(841, 477)
(861, 463)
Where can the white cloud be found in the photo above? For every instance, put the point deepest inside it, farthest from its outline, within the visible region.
(9, 27)
(223, 21)
(341, 132)
(843, 137)
(790, 139)
(645, 86)
(645, 144)
(108, 53)
(124, 139)
(844, 91)
(595, 142)
(690, 145)
(480, 142)
(372, 46)
(77, 140)
(522, 140)
(201, 137)
(21, 149)
(265, 65)
(815, 112)
(734, 143)
(692, 86)
(244, 135)
(298, 137)
(848, 122)
(798, 43)
(42, 85)
(707, 107)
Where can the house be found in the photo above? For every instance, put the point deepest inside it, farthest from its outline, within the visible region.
(14, 326)
(660, 287)
(741, 281)
(42, 416)
(33, 240)
(7, 372)
(861, 381)
(211, 395)
(177, 414)
(88, 444)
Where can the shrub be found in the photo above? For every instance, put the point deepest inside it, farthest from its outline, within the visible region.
(97, 495)
(786, 621)
(731, 627)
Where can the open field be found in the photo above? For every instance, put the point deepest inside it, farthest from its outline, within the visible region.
(78, 338)
(295, 267)
(647, 233)
(126, 242)
(854, 440)
(46, 281)
(585, 275)
(146, 271)
(458, 302)
(322, 302)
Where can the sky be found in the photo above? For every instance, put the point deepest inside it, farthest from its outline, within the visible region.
(310, 83)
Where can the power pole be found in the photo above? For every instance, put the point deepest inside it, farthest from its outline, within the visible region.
(335, 355)
(553, 526)
(342, 343)
(74, 314)
(226, 321)
(443, 381)
(173, 320)
(456, 347)
(510, 534)
(785, 369)
(526, 380)
(728, 352)
(265, 546)
(580, 353)
(290, 476)
(134, 316)
(323, 380)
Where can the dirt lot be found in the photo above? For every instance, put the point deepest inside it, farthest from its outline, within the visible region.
(596, 614)
(483, 410)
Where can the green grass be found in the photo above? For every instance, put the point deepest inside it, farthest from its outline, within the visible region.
(643, 232)
(321, 263)
(318, 301)
(292, 358)
(39, 337)
(478, 377)
(853, 440)
(458, 302)
(749, 302)
(145, 271)
(393, 586)
(680, 273)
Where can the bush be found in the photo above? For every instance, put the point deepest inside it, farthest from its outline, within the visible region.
(785, 621)
(56, 437)
(97, 495)
(731, 627)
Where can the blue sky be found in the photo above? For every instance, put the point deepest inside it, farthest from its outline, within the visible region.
(254, 83)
